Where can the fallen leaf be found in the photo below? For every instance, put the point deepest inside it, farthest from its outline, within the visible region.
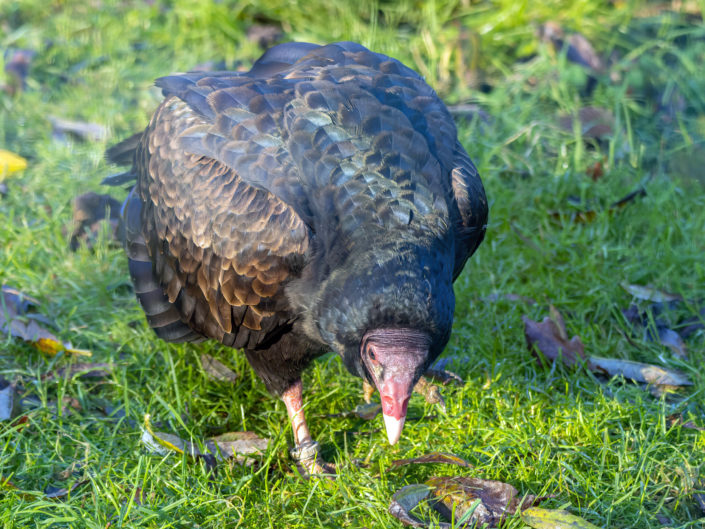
(476, 501)
(638, 371)
(539, 518)
(550, 338)
(576, 46)
(693, 325)
(14, 322)
(233, 445)
(593, 122)
(673, 341)
(17, 67)
(52, 492)
(405, 500)
(433, 457)
(8, 405)
(10, 163)
(216, 370)
(78, 129)
(678, 420)
(368, 411)
(646, 321)
(650, 293)
(89, 211)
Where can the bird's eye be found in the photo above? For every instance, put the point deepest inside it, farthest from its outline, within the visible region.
(371, 353)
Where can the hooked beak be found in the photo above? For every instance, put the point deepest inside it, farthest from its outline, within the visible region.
(395, 400)
(395, 358)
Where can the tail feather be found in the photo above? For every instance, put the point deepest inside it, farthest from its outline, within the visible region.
(123, 153)
(162, 315)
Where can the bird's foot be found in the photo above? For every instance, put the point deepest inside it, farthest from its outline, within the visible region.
(430, 391)
(309, 462)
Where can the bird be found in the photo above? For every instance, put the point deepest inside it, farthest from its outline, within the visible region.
(320, 201)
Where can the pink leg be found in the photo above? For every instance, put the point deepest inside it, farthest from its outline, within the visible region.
(306, 451)
(294, 401)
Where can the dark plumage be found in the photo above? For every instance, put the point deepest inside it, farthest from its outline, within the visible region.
(320, 201)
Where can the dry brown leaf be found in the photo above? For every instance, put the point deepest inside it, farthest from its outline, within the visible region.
(476, 501)
(216, 370)
(433, 457)
(593, 122)
(554, 519)
(550, 338)
(9, 407)
(649, 293)
(90, 210)
(78, 129)
(61, 492)
(678, 420)
(14, 323)
(234, 445)
(638, 371)
(405, 500)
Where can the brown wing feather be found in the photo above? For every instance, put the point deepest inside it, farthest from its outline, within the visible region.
(223, 248)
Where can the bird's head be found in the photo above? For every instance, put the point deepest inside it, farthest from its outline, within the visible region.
(395, 359)
(388, 314)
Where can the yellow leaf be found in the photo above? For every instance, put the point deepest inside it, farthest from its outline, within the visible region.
(10, 163)
(554, 519)
(170, 442)
(53, 347)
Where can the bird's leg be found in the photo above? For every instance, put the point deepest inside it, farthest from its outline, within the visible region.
(306, 449)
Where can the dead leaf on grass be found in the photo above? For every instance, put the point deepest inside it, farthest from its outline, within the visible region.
(469, 502)
(17, 63)
(678, 420)
(90, 210)
(592, 122)
(9, 406)
(80, 130)
(14, 322)
(234, 445)
(576, 46)
(216, 370)
(433, 457)
(55, 493)
(10, 163)
(550, 337)
(406, 500)
(539, 518)
(650, 293)
(638, 371)
(476, 501)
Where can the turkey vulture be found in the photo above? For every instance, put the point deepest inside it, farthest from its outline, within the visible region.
(320, 201)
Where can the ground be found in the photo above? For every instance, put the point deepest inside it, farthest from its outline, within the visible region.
(608, 450)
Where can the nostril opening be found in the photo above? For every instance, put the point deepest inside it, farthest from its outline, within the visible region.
(387, 404)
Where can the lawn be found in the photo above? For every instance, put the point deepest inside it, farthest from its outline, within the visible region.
(617, 453)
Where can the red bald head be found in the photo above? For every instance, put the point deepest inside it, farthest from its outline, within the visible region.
(395, 359)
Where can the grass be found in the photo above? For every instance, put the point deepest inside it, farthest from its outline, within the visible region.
(604, 448)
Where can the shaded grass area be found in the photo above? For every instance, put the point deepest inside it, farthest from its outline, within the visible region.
(605, 449)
